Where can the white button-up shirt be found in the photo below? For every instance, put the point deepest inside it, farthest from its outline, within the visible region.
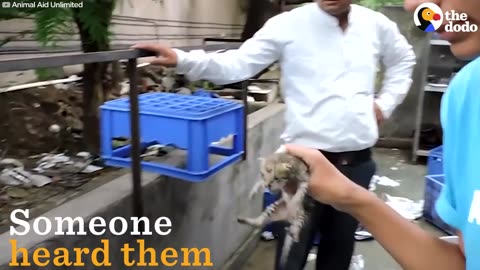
(328, 75)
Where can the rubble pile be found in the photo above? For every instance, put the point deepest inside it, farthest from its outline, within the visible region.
(42, 180)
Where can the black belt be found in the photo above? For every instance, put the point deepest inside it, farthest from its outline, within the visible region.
(348, 158)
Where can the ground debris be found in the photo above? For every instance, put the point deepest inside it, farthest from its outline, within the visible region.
(43, 181)
(383, 181)
(409, 209)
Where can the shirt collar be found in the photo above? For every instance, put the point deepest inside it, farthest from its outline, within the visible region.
(333, 20)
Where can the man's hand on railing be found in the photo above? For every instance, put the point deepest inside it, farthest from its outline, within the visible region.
(166, 56)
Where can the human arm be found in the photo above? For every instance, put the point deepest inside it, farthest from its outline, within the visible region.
(399, 60)
(254, 55)
(412, 247)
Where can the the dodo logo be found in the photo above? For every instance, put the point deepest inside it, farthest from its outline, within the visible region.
(428, 17)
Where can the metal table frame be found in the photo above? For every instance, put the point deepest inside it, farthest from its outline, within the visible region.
(22, 64)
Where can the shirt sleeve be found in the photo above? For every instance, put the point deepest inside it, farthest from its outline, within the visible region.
(446, 206)
(255, 54)
(399, 60)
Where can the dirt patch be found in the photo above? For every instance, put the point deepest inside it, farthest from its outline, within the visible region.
(29, 119)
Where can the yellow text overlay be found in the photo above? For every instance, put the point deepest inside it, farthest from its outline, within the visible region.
(100, 256)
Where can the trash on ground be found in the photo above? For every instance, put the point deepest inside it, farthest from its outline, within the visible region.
(14, 174)
(362, 234)
(407, 208)
(311, 257)
(383, 181)
(54, 128)
(54, 164)
(357, 263)
(10, 163)
(157, 150)
(92, 169)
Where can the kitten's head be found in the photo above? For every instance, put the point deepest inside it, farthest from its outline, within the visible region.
(275, 171)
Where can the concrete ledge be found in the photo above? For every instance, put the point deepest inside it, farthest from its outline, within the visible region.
(400, 143)
(240, 257)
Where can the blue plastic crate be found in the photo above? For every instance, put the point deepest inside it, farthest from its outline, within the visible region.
(188, 122)
(433, 188)
(204, 93)
(435, 161)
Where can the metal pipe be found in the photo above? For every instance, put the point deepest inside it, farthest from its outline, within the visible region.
(245, 116)
(135, 139)
(21, 64)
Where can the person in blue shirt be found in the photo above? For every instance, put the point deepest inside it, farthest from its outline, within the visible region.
(459, 202)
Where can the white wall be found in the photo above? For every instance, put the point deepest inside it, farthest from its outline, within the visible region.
(173, 22)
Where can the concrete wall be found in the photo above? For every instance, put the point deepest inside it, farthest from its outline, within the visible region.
(202, 214)
(402, 122)
(177, 23)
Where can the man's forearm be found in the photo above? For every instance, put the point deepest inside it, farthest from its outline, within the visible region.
(220, 68)
(412, 247)
(255, 54)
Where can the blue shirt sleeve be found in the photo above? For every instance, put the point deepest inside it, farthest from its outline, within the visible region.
(446, 205)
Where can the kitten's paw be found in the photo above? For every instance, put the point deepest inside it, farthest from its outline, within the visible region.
(250, 221)
(252, 194)
(247, 221)
(242, 220)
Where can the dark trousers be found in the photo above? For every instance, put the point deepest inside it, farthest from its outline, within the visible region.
(337, 229)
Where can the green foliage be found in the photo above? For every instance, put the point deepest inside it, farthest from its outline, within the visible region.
(52, 24)
(207, 85)
(45, 74)
(378, 4)
(13, 13)
(98, 28)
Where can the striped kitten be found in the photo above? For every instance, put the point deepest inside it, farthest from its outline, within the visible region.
(289, 175)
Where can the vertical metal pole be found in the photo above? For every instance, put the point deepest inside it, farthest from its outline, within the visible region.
(135, 139)
(245, 116)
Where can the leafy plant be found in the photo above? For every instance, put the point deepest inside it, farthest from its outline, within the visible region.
(92, 22)
(378, 4)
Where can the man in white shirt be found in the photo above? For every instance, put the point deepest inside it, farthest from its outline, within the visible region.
(328, 53)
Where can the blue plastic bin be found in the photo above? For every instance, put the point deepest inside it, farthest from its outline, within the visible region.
(433, 188)
(188, 122)
(435, 161)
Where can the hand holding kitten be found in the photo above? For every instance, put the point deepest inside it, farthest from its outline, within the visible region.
(327, 184)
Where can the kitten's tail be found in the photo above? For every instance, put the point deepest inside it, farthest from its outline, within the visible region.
(287, 244)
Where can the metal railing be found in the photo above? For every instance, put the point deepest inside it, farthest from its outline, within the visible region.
(23, 64)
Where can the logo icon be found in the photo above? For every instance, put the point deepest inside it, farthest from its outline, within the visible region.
(428, 17)
(5, 4)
